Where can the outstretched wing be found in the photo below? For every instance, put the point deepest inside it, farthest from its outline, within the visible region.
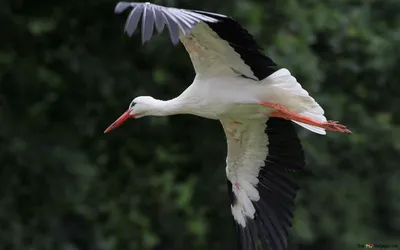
(217, 44)
(177, 20)
(261, 158)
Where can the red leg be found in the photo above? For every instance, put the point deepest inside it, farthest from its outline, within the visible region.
(287, 114)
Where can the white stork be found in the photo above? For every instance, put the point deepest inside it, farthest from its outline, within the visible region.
(255, 101)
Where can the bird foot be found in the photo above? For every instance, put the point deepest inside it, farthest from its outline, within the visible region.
(285, 113)
(335, 127)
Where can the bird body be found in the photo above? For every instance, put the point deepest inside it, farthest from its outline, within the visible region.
(233, 97)
(256, 103)
(213, 98)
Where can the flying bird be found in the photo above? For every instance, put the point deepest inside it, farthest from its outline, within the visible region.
(257, 104)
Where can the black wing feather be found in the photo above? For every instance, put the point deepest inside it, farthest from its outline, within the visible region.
(277, 190)
(244, 44)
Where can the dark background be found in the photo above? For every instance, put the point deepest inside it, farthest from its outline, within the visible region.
(67, 71)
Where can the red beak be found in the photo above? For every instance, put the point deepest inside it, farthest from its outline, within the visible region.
(125, 116)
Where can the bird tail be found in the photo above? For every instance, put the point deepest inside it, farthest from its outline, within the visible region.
(293, 96)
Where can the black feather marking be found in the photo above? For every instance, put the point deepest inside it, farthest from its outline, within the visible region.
(268, 223)
(269, 184)
(243, 43)
(269, 230)
(276, 203)
(230, 192)
(283, 140)
(239, 233)
(276, 213)
(253, 234)
(246, 238)
(264, 233)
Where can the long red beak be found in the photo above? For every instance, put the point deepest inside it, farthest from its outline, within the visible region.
(125, 116)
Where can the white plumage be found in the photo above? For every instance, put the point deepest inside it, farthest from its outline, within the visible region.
(255, 102)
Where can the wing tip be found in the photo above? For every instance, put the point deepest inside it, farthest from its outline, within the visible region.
(130, 28)
(163, 15)
(258, 235)
(121, 7)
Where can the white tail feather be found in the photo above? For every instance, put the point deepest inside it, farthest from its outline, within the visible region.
(312, 128)
(297, 98)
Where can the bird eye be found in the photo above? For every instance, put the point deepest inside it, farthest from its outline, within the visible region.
(132, 104)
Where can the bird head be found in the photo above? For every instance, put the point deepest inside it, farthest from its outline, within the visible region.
(139, 107)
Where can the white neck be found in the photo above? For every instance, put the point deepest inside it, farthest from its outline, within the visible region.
(191, 101)
(169, 107)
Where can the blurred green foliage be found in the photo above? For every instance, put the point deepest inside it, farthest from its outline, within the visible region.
(67, 70)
